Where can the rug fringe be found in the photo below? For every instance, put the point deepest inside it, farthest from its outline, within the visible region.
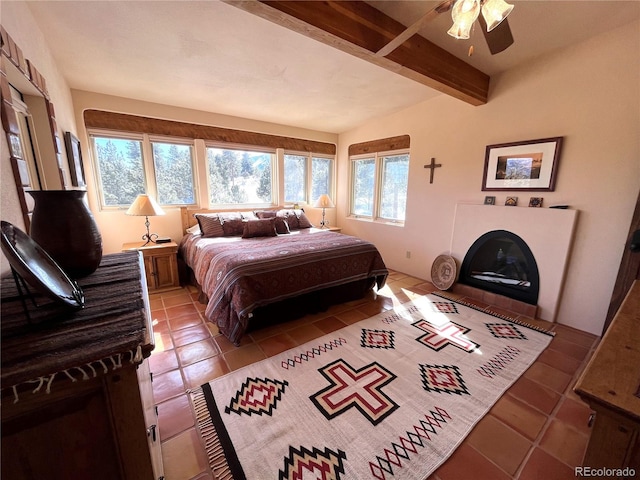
(217, 460)
(495, 314)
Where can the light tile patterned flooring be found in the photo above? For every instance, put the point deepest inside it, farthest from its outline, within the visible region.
(538, 429)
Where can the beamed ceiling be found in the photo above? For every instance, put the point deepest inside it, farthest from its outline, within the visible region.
(359, 29)
(321, 65)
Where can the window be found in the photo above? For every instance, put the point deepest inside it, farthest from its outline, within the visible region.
(120, 169)
(379, 185)
(239, 176)
(306, 177)
(173, 164)
(295, 178)
(125, 170)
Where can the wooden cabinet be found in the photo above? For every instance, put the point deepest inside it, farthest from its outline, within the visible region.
(77, 400)
(610, 384)
(160, 264)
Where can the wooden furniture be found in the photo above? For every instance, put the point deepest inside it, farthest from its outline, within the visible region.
(610, 385)
(160, 264)
(335, 229)
(76, 392)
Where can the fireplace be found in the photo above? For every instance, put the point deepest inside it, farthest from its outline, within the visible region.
(501, 262)
(546, 233)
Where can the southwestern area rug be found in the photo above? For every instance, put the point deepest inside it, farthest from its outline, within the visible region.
(391, 396)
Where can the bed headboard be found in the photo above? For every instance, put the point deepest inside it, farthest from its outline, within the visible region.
(189, 220)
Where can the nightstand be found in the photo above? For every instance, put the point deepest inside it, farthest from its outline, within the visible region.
(160, 264)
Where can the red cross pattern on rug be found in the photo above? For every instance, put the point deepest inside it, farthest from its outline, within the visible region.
(439, 336)
(355, 388)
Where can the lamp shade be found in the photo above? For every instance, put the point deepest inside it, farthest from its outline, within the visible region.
(464, 13)
(494, 12)
(324, 201)
(143, 206)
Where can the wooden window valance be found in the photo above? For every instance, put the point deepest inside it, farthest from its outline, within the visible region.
(382, 145)
(134, 123)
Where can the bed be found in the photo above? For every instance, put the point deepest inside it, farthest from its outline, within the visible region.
(250, 270)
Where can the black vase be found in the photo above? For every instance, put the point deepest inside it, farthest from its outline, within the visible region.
(64, 227)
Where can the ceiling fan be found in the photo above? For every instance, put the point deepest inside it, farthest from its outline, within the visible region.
(491, 14)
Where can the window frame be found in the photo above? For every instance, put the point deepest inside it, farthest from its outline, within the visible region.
(148, 164)
(308, 181)
(194, 167)
(244, 148)
(378, 158)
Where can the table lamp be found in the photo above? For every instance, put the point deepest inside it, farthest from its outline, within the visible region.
(324, 202)
(145, 206)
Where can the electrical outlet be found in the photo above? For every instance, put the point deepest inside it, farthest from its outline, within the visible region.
(408, 254)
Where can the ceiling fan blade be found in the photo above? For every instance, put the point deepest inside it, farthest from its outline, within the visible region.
(498, 39)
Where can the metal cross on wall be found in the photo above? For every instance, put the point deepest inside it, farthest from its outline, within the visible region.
(433, 165)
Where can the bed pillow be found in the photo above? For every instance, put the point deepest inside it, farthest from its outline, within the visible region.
(303, 221)
(195, 229)
(248, 216)
(282, 227)
(233, 227)
(290, 216)
(259, 228)
(266, 213)
(224, 216)
(210, 224)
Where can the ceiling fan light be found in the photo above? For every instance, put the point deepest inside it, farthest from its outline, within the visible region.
(461, 31)
(494, 12)
(464, 13)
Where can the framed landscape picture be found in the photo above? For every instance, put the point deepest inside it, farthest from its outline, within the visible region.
(529, 166)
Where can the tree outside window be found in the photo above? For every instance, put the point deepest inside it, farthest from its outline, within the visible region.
(379, 186)
(174, 173)
(124, 172)
(120, 170)
(239, 176)
(306, 177)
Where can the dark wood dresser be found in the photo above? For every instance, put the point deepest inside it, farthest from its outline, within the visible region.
(77, 401)
(610, 384)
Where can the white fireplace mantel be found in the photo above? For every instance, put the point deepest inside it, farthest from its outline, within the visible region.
(547, 231)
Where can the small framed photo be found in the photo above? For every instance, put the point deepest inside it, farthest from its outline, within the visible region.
(535, 202)
(511, 201)
(74, 155)
(530, 165)
(489, 200)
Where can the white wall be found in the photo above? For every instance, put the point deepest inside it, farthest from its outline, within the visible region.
(20, 25)
(590, 95)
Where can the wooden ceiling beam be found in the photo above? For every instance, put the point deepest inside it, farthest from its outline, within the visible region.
(359, 29)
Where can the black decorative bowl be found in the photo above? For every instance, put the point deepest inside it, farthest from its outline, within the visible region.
(38, 269)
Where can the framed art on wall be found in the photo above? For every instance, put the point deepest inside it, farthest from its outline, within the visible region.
(74, 154)
(529, 166)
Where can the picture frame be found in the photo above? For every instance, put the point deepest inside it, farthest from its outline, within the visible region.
(511, 201)
(74, 155)
(489, 200)
(535, 202)
(530, 165)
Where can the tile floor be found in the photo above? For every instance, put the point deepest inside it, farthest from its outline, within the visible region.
(538, 429)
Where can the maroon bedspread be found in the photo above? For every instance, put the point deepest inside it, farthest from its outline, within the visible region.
(239, 275)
